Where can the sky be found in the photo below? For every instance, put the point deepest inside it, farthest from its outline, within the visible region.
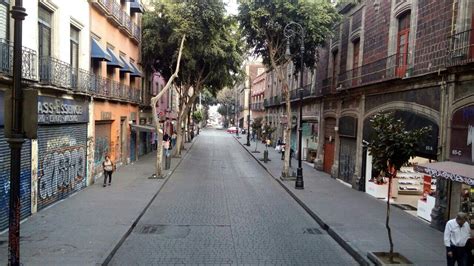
(231, 6)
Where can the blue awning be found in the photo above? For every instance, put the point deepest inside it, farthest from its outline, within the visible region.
(98, 53)
(136, 72)
(115, 62)
(127, 68)
(136, 6)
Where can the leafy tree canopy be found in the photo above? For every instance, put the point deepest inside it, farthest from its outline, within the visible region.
(263, 22)
(392, 142)
(212, 52)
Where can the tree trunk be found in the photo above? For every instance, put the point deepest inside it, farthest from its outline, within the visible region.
(156, 122)
(287, 137)
(387, 218)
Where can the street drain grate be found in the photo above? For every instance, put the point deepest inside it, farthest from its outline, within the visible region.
(164, 231)
(313, 231)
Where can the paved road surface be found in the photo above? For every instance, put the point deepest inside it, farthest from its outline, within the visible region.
(221, 207)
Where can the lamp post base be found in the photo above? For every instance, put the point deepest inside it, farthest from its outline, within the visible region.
(299, 184)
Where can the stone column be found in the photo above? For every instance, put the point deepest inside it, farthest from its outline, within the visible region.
(319, 162)
(359, 150)
(337, 142)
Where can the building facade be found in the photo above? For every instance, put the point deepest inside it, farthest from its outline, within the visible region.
(85, 104)
(411, 57)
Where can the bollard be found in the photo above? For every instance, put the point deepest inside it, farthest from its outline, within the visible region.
(265, 156)
(167, 162)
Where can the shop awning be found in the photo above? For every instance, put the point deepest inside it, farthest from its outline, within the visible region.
(98, 53)
(115, 61)
(142, 128)
(126, 66)
(136, 6)
(458, 172)
(136, 72)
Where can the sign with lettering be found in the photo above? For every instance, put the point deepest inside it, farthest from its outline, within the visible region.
(462, 136)
(105, 115)
(53, 110)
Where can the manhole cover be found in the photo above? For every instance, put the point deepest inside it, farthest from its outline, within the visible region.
(312, 231)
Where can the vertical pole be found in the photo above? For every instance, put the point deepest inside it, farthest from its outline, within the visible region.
(16, 139)
(248, 115)
(299, 184)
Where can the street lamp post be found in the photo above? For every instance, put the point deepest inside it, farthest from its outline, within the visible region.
(289, 33)
(248, 115)
(16, 137)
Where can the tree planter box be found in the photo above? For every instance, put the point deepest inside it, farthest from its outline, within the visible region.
(382, 258)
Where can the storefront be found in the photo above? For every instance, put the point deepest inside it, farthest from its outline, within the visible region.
(412, 189)
(62, 146)
(25, 175)
(310, 139)
(103, 142)
(458, 171)
(347, 131)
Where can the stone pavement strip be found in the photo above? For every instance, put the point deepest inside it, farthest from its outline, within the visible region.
(85, 228)
(221, 208)
(355, 219)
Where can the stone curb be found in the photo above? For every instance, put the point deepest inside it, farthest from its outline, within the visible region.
(346, 245)
(134, 224)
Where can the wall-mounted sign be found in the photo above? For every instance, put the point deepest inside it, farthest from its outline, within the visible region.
(53, 110)
(105, 115)
(462, 136)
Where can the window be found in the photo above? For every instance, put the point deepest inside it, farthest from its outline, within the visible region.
(355, 61)
(44, 43)
(3, 21)
(402, 44)
(44, 32)
(74, 54)
(335, 64)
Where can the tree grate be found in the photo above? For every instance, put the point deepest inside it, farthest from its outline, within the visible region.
(313, 231)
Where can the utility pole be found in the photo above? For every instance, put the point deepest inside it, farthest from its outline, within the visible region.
(16, 136)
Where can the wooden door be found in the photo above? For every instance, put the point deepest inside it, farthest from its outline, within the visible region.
(328, 157)
(402, 45)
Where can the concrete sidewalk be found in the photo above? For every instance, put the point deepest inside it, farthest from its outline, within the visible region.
(355, 219)
(84, 229)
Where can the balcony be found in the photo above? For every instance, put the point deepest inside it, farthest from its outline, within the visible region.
(28, 61)
(387, 68)
(461, 49)
(119, 17)
(328, 86)
(54, 72)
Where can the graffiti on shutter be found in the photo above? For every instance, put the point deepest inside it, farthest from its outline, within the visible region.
(25, 180)
(102, 145)
(62, 162)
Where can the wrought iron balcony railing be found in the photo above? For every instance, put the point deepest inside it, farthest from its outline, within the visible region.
(54, 72)
(28, 61)
(461, 48)
(390, 67)
(328, 86)
(114, 12)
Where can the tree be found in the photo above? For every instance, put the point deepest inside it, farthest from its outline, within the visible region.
(257, 130)
(210, 58)
(154, 102)
(391, 147)
(262, 24)
(226, 99)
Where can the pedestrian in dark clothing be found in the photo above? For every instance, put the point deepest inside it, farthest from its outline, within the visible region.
(166, 137)
(109, 168)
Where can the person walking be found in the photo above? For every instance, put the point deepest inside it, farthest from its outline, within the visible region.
(108, 167)
(173, 139)
(456, 234)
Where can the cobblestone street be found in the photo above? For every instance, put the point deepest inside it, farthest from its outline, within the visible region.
(221, 207)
